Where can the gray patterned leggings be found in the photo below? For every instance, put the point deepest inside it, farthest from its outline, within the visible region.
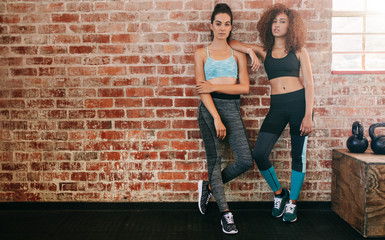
(229, 111)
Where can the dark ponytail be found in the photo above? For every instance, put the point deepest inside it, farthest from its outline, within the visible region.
(221, 8)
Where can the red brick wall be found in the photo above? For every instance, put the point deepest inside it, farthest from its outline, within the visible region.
(97, 101)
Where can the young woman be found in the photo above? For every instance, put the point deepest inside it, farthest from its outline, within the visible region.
(283, 35)
(221, 75)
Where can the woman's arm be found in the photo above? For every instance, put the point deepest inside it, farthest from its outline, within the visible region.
(206, 98)
(250, 49)
(307, 122)
(243, 87)
(244, 47)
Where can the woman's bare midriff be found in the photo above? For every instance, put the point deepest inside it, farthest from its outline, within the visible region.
(223, 80)
(284, 85)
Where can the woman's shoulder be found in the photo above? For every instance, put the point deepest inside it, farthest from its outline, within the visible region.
(201, 51)
(301, 53)
(301, 50)
(238, 55)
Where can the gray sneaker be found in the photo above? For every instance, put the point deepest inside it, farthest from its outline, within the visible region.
(228, 225)
(279, 204)
(204, 195)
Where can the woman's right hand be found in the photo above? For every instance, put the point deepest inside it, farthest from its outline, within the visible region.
(221, 129)
(255, 63)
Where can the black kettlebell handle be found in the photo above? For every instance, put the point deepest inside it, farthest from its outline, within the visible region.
(374, 126)
(358, 130)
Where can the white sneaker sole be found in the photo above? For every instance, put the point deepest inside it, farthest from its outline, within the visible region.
(290, 221)
(200, 184)
(223, 230)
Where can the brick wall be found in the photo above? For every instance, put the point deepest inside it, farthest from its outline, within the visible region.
(97, 101)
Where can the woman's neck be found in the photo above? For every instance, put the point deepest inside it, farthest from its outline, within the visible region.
(279, 43)
(217, 44)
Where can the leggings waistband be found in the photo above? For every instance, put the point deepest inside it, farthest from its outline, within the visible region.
(287, 97)
(224, 96)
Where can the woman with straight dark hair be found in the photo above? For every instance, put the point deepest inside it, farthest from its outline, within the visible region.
(221, 76)
(283, 33)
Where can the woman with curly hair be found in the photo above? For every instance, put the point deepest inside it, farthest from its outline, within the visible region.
(221, 76)
(283, 33)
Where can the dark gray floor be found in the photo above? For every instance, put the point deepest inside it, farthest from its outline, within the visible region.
(166, 221)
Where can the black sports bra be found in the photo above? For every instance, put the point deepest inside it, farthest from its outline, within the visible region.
(287, 66)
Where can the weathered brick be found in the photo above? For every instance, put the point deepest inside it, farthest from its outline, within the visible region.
(65, 17)
(96, 38)
(53, 50)
(90, 135)
(69, 103)
(98, 100)
(180, 145)
(158, 102)
(21, 7)
(122, 17)
(9, 19)
(112, 71)
(124, 38)
(51, 7)
(22, 29)
(140, 113)
(81, 71)
(127, 124)
(126, 59)
(98, 103)
(78, 114)
(111, 113)
(52, 71)
(39, 61)
(71, 125)
(103, 60)
(99, 124)
(112, 135)
(129, 102)
(70, 60)
(111, 49)
(66, 39)
(142, 69)
(10, 40)
(186, 186)
(139, 92)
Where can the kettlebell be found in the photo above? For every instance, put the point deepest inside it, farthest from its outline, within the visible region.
(357, 143)
(378, 142)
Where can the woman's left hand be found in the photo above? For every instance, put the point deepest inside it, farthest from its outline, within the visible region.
(204, 87)
(306, 125)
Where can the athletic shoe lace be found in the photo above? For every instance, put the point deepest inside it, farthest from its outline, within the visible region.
(277, 202)
(290, 207)
(229, 218)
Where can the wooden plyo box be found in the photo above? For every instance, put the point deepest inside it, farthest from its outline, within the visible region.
(358, 190)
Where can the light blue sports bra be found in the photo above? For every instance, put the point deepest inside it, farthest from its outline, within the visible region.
(220, 68)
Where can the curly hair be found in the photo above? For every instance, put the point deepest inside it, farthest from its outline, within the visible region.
(296, 34)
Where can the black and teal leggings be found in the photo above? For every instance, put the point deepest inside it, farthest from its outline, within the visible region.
(284, 108)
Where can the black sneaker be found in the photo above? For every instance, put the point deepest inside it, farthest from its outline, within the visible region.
(228, 225)
(204, 195)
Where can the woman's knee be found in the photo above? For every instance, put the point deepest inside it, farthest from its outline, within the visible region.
(258, 156)
(246, 164)
(261, 159)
